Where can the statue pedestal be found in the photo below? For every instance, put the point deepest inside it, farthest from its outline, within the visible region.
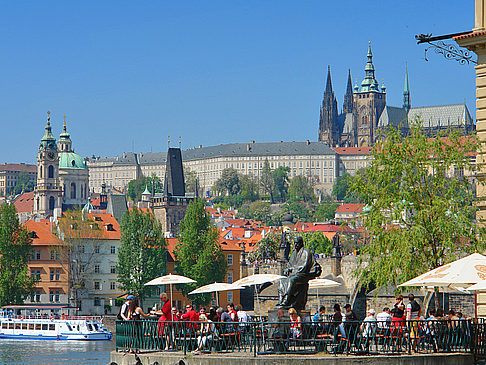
(279, 326)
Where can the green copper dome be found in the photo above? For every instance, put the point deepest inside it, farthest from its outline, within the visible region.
(48, 142)
(71, 160)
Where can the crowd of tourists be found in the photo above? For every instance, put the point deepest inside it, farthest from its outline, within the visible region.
(206, 324)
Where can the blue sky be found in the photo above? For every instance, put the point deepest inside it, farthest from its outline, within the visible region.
(214, 72)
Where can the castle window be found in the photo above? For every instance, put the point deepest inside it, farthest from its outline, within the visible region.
(52, 203)
(50, 172)
(73, 191)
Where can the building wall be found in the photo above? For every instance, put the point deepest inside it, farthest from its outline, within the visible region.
(44, 260)
(9, 174)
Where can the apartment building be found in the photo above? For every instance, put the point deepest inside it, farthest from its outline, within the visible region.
(9, 172)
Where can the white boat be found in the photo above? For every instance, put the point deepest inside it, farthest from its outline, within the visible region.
(37, 327)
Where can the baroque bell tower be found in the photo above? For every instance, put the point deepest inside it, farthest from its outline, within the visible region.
(48, 192)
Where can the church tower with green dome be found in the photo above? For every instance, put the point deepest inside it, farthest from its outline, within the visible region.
(73, 173)
(48, 192)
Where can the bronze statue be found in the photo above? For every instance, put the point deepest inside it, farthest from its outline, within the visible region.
(301, 268)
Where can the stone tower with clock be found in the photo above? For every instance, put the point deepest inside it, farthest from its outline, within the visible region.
(48, 191)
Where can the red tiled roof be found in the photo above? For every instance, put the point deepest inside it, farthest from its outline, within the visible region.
(238, 222)
(104, 220)
(350, 207)
(353, 150)
(310, 227)
(43, 233)
(21, 167)
(25, 203)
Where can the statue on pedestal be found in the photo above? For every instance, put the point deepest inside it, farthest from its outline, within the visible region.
(301, 268)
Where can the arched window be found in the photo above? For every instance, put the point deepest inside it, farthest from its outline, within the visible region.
(51, 172)
(73, 191)
(40, 170)
(38, 203)
(52, 203)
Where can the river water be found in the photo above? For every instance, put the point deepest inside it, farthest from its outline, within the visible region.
(55, 352)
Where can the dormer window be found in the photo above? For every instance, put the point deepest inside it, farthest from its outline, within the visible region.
(97, 219)
(109, 227)
(33, 234)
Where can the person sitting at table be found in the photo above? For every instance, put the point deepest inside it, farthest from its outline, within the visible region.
(206, 333)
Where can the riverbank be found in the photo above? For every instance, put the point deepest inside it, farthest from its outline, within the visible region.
(171, 358)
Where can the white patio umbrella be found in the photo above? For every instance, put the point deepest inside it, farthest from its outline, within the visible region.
(169, 280)
(322, 283)
(481, 286)
(258, 279)
(460, 273)
(215, 288)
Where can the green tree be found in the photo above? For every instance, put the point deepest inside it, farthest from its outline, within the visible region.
(325, 211)
(316, 242)
(190, 178)
(267, 247)
(198, 252)
(23, 183)
(341, 186)
(228, 183)
(15, 248)
(259, 210)
(249, 188)
(137, 186)
(303, 212)
(420, 205)
(301, 190)
(142, 255)
(281, 182)
(267, 181)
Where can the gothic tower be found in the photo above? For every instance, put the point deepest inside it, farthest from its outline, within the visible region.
(328, 122)
(348, 97)
(406, 92)
(369, 103)
(48, 192)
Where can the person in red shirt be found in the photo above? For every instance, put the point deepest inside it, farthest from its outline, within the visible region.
(165, 314)
(191, 316)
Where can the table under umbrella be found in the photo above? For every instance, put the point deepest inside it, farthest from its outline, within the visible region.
(170, 279)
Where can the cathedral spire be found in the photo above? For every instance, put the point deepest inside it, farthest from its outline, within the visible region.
(348, 97)
(328, 83)
(406, 91)
(65, 143)
(369, 83)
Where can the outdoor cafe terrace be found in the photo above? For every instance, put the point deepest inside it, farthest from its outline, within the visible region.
(258, 338)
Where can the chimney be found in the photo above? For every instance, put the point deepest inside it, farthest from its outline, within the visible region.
(307, 142)
(252, 141)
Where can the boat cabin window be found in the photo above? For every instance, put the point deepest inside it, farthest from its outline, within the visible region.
(4, 326)
(17, 326)
(52, 327)
(69, 326)
(95, 326)
(90, 328)
(37, 326)
(24, 326)
(31, 326)
(10, 326)
(44, 327)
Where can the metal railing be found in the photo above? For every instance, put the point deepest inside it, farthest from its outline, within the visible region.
(259, 338)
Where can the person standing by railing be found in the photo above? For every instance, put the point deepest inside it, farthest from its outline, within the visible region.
(398, 312)
(413, 314)
(135, 313)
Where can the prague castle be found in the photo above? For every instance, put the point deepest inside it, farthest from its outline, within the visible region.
(365, 112)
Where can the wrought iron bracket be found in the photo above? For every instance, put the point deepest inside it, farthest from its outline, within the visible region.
(449, 51)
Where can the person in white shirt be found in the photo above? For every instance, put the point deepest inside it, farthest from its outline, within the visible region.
(384, 318)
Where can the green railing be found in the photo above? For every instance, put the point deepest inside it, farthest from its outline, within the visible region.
(258, 338)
